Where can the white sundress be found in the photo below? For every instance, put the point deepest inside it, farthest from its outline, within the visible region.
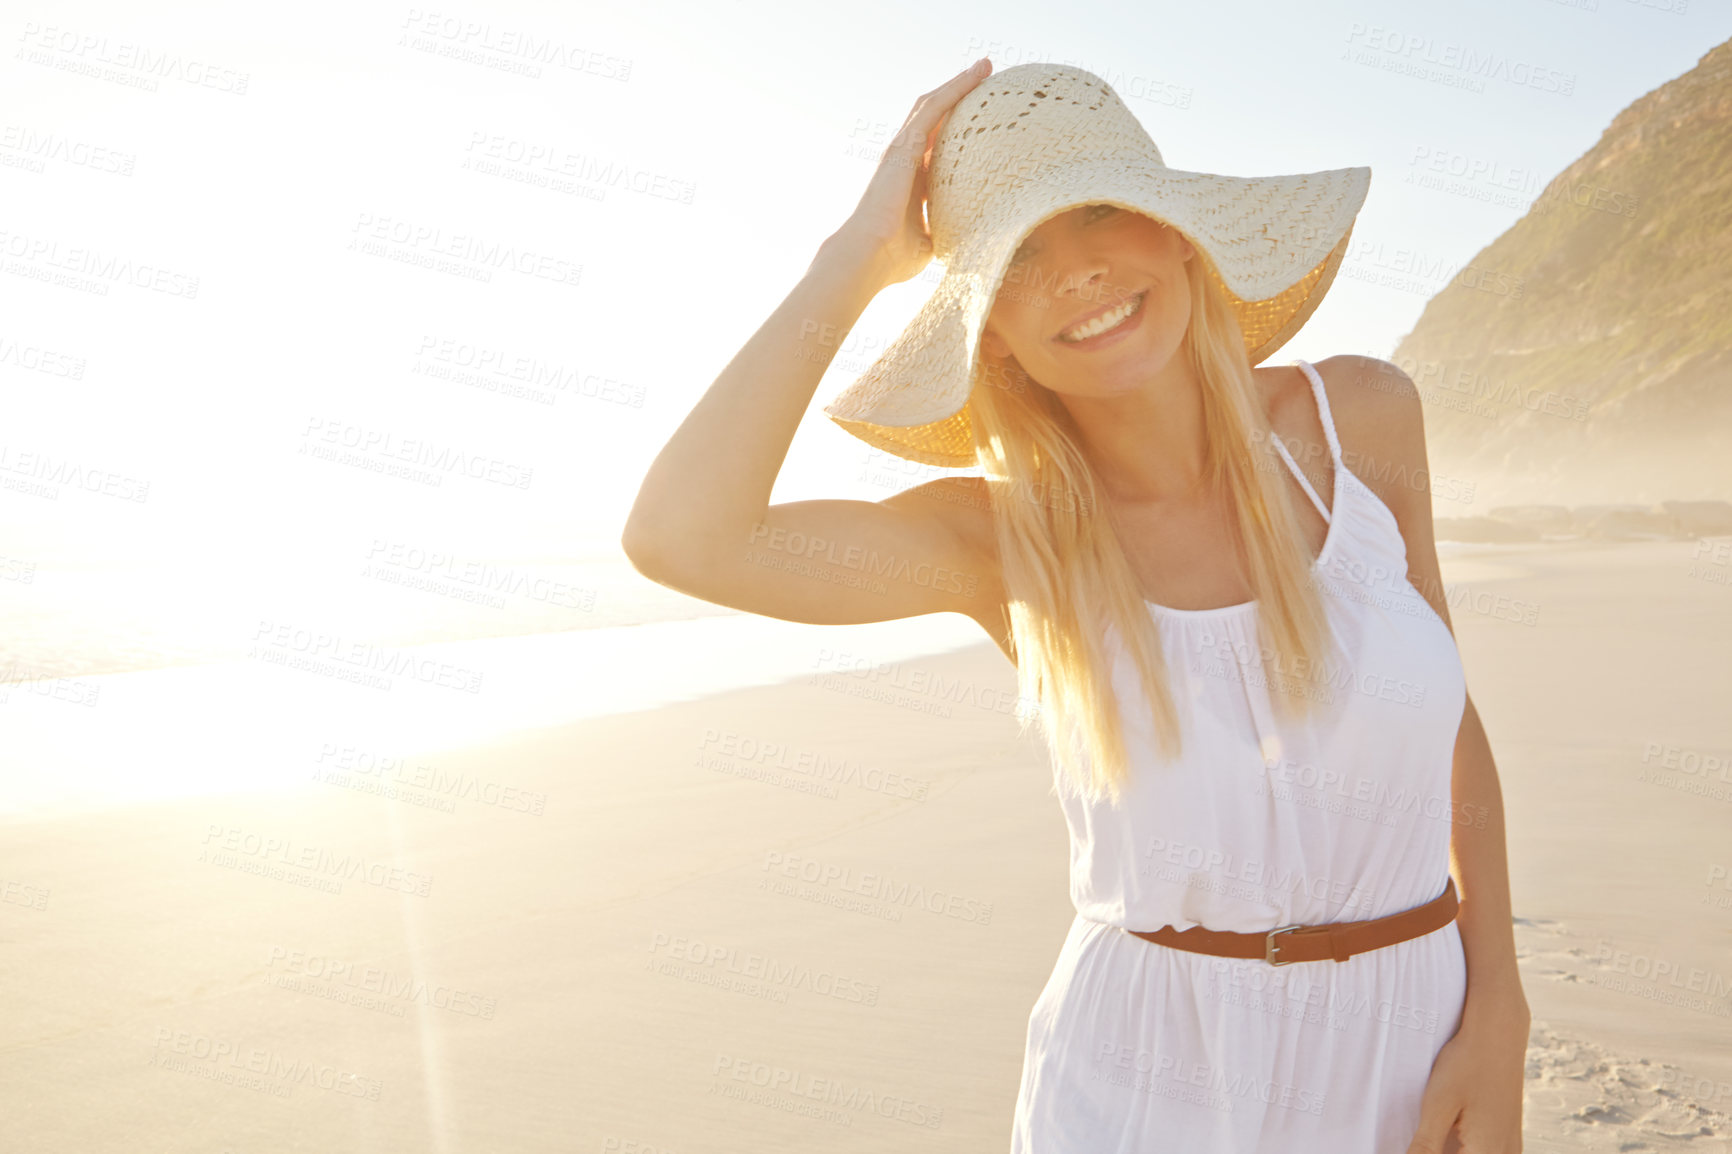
(1135, 1047)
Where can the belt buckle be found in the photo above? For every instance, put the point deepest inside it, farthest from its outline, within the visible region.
(1269, 946)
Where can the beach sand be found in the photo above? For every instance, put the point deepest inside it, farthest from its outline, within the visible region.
(599, 938)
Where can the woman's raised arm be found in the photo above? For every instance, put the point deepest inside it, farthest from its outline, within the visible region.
(703, 523)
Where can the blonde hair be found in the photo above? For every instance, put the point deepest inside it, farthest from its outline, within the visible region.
(1066, 573)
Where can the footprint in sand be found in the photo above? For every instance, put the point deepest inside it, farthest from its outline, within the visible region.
(1543, 959)
(1554, 965)
(1579, 1096)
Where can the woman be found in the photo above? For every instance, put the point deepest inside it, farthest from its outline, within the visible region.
(1258, 722)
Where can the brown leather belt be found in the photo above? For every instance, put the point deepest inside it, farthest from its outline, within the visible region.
(1301, 943)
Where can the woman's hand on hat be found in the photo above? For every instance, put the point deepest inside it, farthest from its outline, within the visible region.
(889, 224)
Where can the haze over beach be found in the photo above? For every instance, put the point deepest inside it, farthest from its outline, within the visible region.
(356, 793)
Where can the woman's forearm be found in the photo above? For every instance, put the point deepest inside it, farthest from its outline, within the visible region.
(1480, 864)
(711, 482)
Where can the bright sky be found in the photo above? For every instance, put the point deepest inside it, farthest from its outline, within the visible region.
(770, 115)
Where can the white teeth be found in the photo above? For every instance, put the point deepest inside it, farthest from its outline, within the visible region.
(1103, 322)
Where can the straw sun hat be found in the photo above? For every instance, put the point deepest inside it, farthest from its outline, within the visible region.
(1033, 141)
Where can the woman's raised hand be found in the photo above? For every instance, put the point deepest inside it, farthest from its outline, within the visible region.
(890, 220)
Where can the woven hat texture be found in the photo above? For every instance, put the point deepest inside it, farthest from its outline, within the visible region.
(1039, 139)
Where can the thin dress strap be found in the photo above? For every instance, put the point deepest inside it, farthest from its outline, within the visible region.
(1328, 435)
(1322, 396)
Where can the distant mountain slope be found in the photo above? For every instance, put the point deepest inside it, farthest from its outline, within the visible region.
(1586, 354)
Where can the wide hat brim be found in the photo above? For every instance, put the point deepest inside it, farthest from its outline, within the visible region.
(1272, 246)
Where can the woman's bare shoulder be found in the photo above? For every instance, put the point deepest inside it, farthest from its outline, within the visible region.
(1378, 417)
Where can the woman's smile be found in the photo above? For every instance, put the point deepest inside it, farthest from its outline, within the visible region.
(1106, 326)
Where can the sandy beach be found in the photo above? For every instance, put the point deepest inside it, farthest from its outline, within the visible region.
(655, 932)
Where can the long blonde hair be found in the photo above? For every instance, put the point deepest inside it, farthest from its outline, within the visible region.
(1066, 572)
